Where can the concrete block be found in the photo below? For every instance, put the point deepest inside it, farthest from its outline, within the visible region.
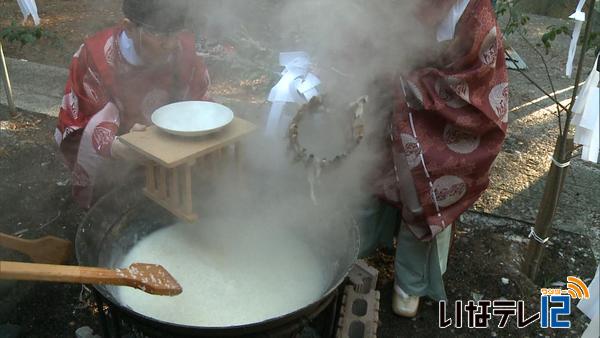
(359, 315)
(363, 277)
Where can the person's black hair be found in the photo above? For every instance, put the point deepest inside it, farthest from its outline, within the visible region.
(162, 16)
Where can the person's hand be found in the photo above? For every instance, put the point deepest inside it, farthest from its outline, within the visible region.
(138, 127)
(122, 151)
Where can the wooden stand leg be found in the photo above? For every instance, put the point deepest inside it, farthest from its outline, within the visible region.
(172, 189)
(150, 179)
(174, 195)
(162, 183)
(213, 164)
(238, 162)
(187, 189)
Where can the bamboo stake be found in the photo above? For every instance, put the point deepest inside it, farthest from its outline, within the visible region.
(7, 86)
(556, 177)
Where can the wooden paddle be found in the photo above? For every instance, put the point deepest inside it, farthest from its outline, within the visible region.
(150, 278)
(47, 250)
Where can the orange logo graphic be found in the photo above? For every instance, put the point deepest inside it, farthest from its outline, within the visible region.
(576, 288)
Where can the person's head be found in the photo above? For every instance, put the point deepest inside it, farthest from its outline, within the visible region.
(154, 26)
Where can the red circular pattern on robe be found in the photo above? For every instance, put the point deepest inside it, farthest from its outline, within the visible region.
(70, 104)
(460, 141)
(411, 150)
(445, 92)
(489, 49)
(90, 83)
(460, 87)
(414, 97)
(103, 137)
(449, 190)
(109, 51)
(499, 101)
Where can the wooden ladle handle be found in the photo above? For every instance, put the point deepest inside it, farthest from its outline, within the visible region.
(152, 279)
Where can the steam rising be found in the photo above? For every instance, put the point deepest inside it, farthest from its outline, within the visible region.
(353, 43)
(362, 39)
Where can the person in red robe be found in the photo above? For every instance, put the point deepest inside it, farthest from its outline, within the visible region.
(449, 122)
(117, 79)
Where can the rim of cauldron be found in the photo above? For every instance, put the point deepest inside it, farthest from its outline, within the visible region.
(250, 328)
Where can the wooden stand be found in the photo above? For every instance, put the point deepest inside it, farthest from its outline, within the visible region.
(172, 189)
(169, 177)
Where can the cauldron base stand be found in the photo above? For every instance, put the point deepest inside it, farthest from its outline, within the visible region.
(114, 323)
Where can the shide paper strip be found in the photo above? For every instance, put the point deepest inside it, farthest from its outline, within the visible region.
(587, 117)
(28, 7)
(579, 17)
(297, 85)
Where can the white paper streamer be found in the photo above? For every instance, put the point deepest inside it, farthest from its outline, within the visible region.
(314, 179)
(591, 307)
(28, 7)
(593, 330)
(579, 16)
(587, 117)
(297, 85)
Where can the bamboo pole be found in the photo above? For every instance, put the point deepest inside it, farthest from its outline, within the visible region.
(556, 176)
(6, 80)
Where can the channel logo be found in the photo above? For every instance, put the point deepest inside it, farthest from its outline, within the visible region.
(555, 309)
(555, 304)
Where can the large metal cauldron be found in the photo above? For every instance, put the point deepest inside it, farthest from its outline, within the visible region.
(124, 216)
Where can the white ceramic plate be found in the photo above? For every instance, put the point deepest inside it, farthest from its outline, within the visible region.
(192, 118)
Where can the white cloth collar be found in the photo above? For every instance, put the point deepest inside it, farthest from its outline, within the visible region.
(128, 50)
(447, 28)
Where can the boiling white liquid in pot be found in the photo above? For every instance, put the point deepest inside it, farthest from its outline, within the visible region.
(226, 280)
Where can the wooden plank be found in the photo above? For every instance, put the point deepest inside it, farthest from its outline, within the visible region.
(171, 151)
(47, 250)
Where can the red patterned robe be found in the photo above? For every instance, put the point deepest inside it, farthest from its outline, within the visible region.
(453, 119)
(105, 96)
